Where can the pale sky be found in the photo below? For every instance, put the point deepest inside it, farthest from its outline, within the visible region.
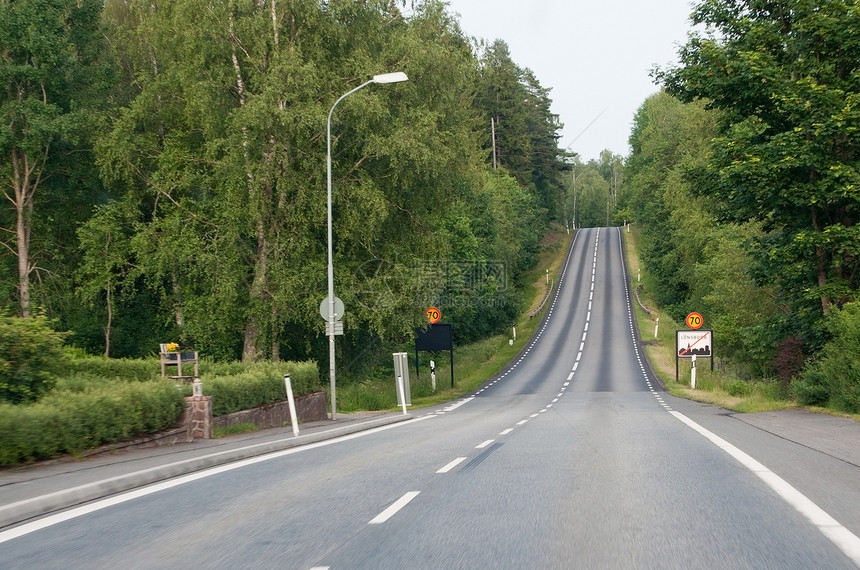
(595, 55)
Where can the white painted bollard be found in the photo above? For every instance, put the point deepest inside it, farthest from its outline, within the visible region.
(638, 275)
(403, 400)
(433, 374)
(515, 331)
(693, 374)
(656, 327)
(293, 419)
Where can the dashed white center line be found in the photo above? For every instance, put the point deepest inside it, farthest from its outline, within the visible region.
(394, 508)
(485, 444)
(451, 465)
(506, 432)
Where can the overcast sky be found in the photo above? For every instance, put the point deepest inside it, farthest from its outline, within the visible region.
(595, 55)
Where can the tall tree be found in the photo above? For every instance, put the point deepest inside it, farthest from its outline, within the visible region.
(53, 72)
(785, 77)
(523, 128)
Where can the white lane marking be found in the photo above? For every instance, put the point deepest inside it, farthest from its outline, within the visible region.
(485, 444)
(575, 366)
(570, 377)
(456, 405)
(843, 538)
(521, 422)
(506, 432)
(394, 508)
(451, 465)
(51, 520)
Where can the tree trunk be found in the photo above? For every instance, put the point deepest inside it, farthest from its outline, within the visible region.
(24, 188)
(109, 319)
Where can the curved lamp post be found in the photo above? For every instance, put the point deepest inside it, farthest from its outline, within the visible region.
(383, 78)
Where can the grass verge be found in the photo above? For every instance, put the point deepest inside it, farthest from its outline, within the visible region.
(474, 363)
(233, 430)
(657, 334)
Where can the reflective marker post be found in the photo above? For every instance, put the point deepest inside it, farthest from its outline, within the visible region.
(693, 374)
(293, 419)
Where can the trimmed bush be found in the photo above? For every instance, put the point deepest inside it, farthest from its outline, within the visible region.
(258, 384)
(69, 422)
(31, 357)
(125, 369)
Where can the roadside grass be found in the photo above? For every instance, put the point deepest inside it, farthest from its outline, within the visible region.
(233, 430)
(712, 387)
(474, 363)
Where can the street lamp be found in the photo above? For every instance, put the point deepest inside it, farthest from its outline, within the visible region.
(383, 78)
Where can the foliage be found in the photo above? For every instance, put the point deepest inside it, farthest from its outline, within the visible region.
(125, 369)
(834, 379)
(179, 150)
(31, 358)
(258, 385)
(784, 79)
(517, 113)
(54, 75)
(70, 422)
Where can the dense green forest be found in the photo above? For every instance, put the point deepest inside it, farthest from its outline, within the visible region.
(745, 177)
(164, 169)
(165, 173)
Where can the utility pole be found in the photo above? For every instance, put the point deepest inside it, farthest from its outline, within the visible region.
(493, 133)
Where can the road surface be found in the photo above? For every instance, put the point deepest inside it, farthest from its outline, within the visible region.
(573, 458)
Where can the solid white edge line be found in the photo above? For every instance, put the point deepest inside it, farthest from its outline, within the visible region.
(396, 506)
(451, 465)
(51, 520)
(843, 538)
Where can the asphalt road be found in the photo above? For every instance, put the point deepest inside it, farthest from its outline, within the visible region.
(574, 458)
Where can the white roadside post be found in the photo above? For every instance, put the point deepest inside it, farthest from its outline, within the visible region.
(656, 327)
(433, 374)
(293, 419)
(693, 374)
(400, 385)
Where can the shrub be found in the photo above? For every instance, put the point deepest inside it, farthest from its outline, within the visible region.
(125, 369)
(834, 380)
(68, 422)
(31, 357)
(739, 388)
(258, 384)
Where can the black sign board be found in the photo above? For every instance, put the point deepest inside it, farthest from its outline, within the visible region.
(438, 337)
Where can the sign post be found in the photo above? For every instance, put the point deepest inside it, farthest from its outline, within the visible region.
(692, 344)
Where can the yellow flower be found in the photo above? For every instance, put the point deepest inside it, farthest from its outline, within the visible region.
(172, 347)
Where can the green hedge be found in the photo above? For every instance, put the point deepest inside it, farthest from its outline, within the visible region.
(102, 401)
(257, 385)
(70, 422)
(124, 369)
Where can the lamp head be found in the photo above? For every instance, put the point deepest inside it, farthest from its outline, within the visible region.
(395, 77)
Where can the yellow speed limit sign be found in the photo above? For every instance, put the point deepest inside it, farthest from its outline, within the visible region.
(434, 315)
(695, 320)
